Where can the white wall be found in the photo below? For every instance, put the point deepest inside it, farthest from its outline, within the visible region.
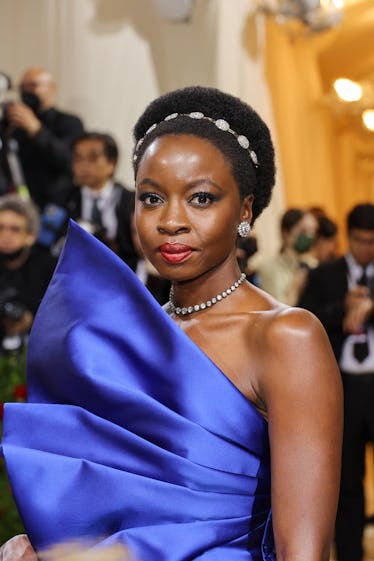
(240, 70)
(111, 57)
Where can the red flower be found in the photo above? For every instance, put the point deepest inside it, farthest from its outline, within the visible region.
(20, 391)
(1, 410)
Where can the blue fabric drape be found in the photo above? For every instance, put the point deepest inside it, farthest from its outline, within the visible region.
(131, 433)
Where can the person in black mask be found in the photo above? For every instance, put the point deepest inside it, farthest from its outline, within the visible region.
(43, 136)
(25, 268)
(282, 275)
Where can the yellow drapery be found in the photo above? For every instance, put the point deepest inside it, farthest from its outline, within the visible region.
(326, 156)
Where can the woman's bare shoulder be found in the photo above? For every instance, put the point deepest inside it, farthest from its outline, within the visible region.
(279, 319)
(290, 350)
(287, 326)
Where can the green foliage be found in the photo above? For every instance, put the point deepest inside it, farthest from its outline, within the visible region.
(12, 388)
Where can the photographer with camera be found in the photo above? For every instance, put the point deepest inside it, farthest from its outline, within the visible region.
(43, 134)
(94, 199)
(25, 269)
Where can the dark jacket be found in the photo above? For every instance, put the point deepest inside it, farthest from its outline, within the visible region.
(70, 198)
(28, 282)
(324, 295)
(46, 157)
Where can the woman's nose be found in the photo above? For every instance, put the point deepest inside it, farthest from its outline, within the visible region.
(173, 219)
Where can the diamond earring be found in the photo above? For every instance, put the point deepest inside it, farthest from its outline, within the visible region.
(244, 229)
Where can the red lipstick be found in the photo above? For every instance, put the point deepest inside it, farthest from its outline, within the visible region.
(175, 252)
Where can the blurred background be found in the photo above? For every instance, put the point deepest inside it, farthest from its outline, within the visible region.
(111, 57)
(307, 66)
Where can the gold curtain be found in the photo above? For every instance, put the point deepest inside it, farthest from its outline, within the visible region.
(326, 157)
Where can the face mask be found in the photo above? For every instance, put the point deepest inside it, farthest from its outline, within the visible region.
(303, 243)
(31, 100)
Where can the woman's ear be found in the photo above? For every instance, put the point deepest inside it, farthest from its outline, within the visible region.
(246, 209)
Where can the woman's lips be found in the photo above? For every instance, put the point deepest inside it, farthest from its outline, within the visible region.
(175, 252)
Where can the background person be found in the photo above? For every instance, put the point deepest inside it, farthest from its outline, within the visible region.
(281, 276)
(25, 269)
(325, 244)
(95, 199)
(323, 249)
(223, 409)
(44, 135)
(339, 293)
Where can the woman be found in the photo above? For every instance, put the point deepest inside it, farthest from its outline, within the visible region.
(283, 276)
(211, 441)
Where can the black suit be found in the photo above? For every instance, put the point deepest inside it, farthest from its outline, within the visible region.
(324, 295)
(25, 285)
(70, 198)
(46, 157)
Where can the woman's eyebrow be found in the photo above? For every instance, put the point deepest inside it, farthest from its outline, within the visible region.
(191, 185)
(148, 181)
(203, 181)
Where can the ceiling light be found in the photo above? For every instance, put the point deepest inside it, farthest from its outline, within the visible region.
(335, 3)
(348, 90)
(368, 119)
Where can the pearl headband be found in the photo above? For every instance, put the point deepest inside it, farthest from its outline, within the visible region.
(219, 123)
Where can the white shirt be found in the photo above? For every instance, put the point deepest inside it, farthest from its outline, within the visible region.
(108, 199)
(348, 362)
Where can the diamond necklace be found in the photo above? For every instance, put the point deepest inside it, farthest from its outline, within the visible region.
(208, 304)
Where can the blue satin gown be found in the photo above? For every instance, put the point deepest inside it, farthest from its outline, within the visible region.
(131, 433)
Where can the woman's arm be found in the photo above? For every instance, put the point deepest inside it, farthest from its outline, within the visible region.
(301, 387)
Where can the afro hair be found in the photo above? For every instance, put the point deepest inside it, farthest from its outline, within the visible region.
(215, 104)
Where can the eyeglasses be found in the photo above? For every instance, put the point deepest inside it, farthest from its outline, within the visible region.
(362, 240)
(12, 228)
(92, 157)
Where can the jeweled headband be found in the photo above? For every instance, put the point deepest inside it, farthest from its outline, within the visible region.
(221, 124)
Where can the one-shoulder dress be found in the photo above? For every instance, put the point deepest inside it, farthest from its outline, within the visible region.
(131, 433)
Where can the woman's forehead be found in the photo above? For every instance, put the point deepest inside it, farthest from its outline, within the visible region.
(183, 148)
(184, 157)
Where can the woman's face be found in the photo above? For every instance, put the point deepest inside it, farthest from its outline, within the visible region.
(187, 207)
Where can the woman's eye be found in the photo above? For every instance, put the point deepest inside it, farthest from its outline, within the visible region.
(150, 199)
(202, 199)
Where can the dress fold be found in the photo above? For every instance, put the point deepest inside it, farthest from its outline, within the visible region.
(131, 433)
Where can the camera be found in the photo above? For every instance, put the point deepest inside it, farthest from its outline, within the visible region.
(10, 94)
(11, 306)
(53, 225)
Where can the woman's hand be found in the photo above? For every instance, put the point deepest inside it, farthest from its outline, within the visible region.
(18, 548)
